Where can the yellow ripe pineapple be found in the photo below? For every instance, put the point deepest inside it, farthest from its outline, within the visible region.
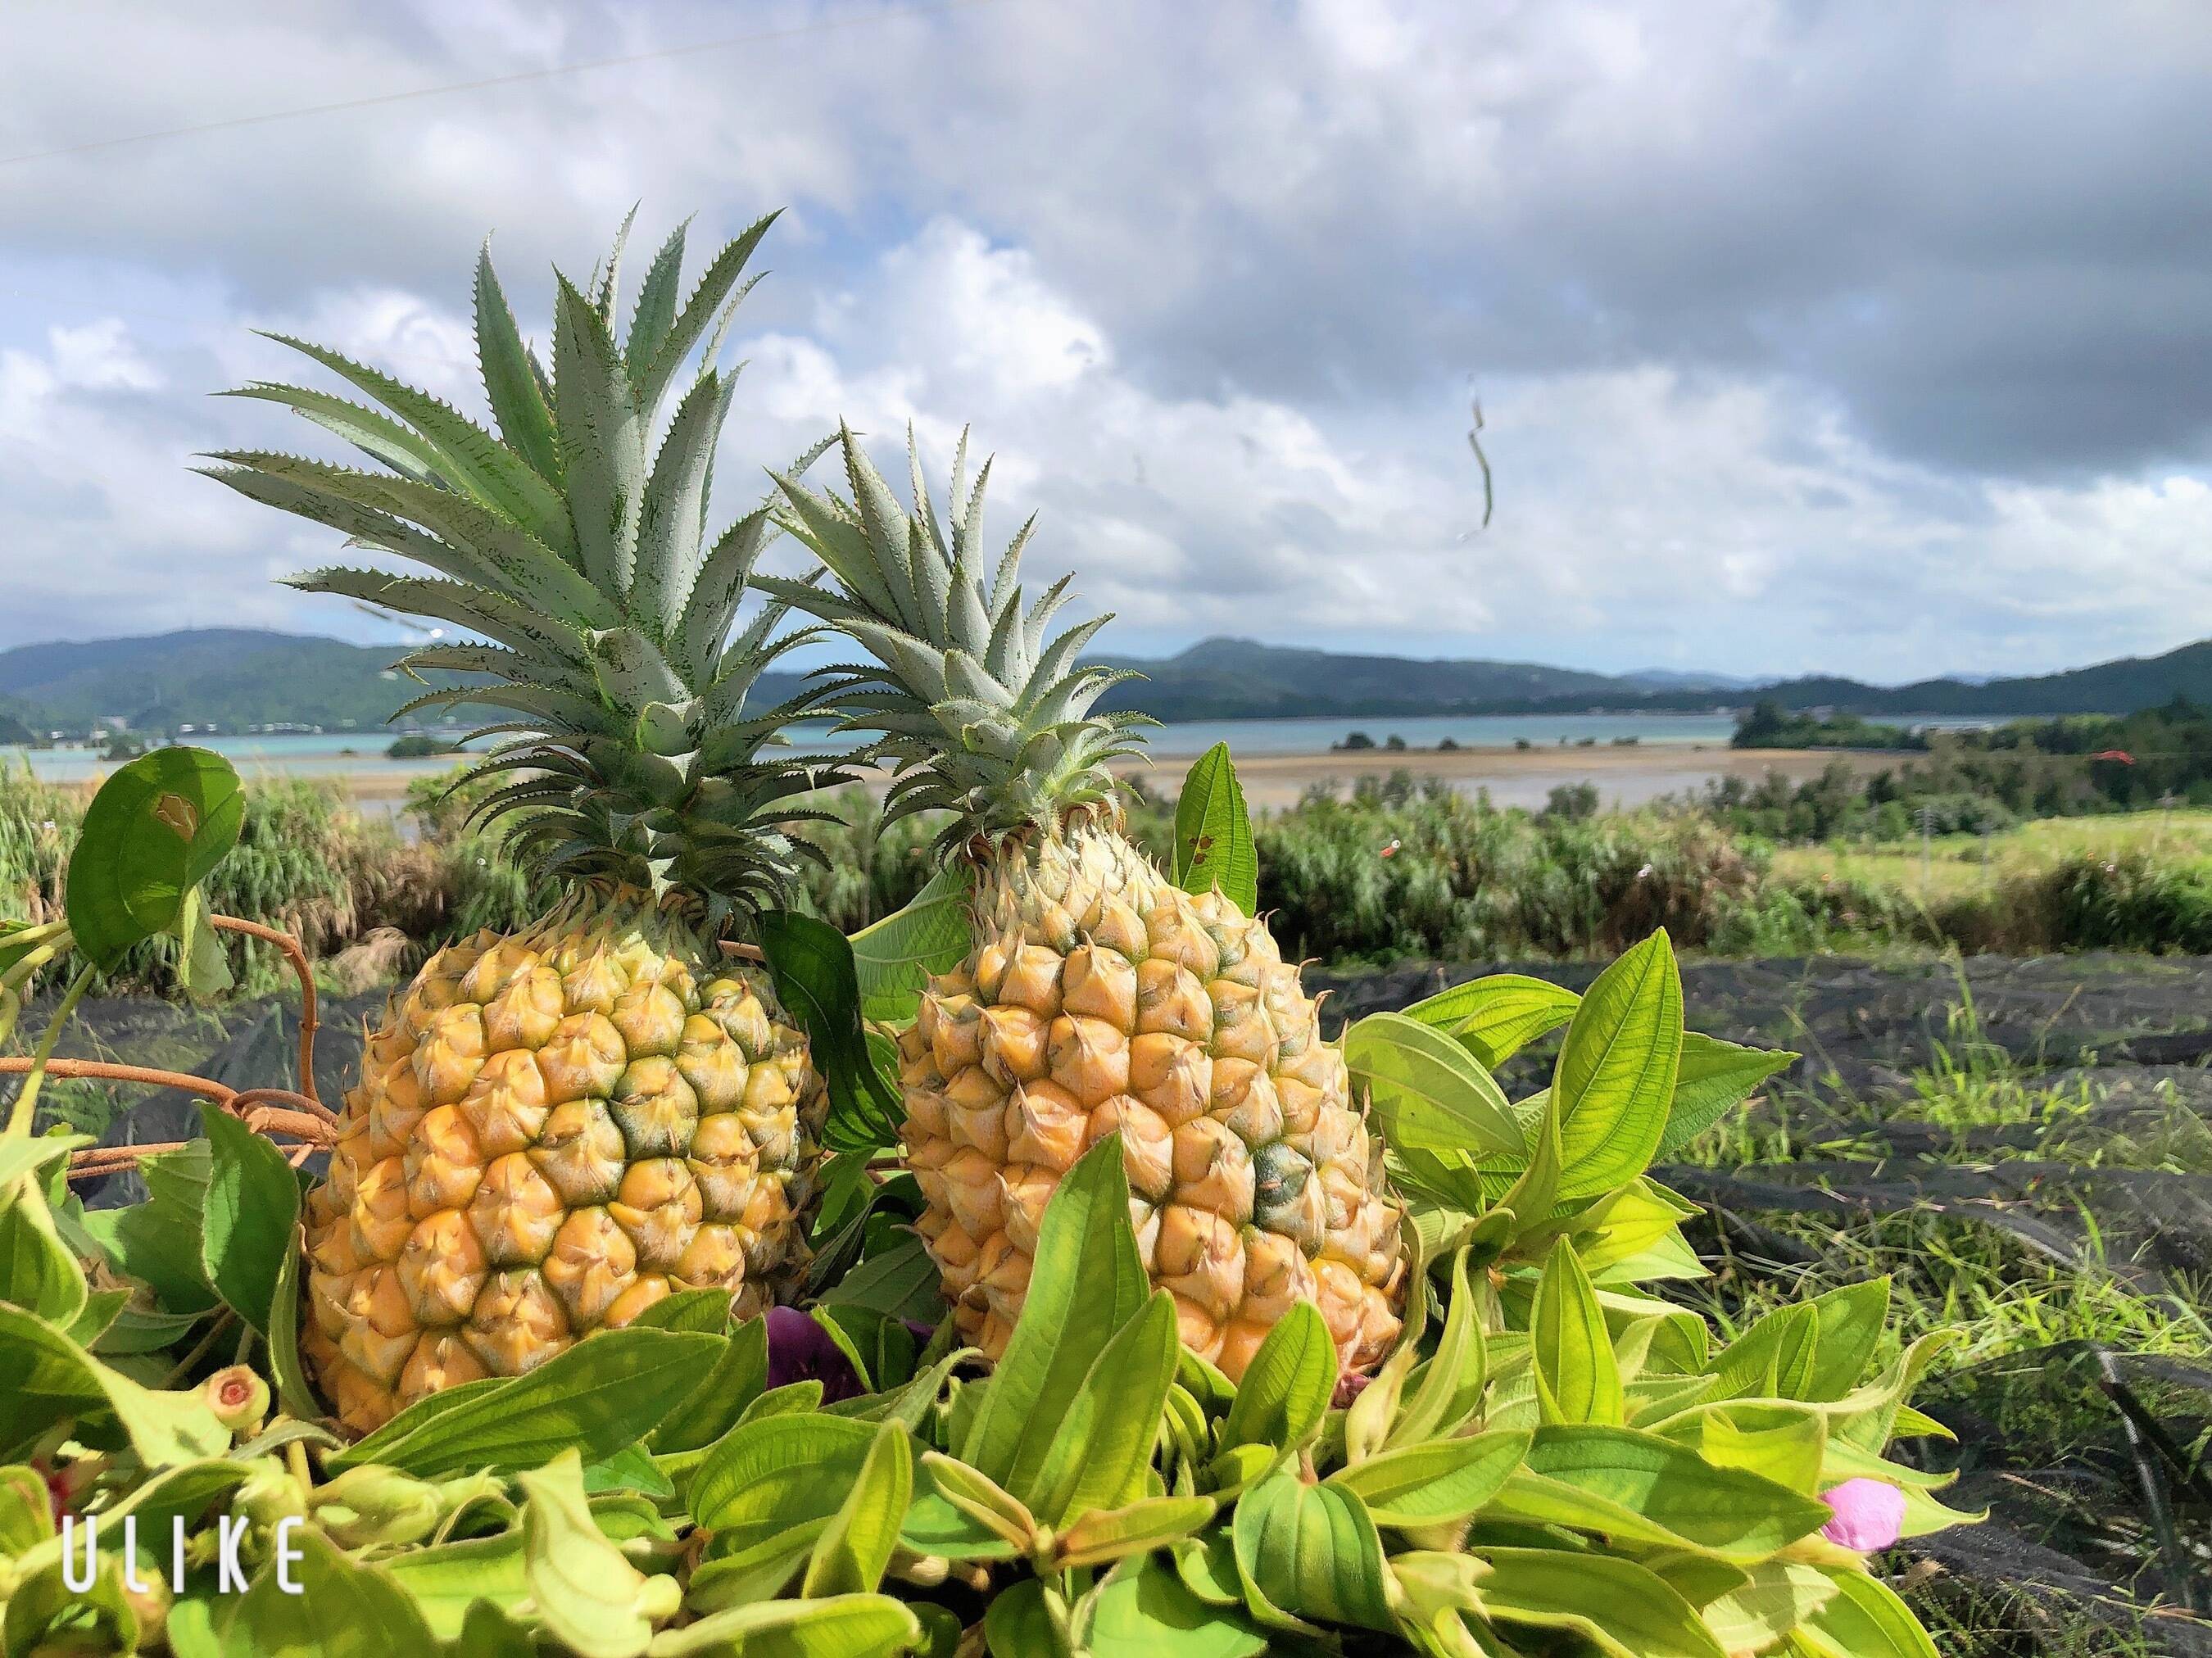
(1098, 995)
(554, 1129)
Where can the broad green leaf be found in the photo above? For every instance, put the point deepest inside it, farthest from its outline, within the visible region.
(1778, 1597)
(1498, 1016)
(1143, 1610)
(1285, 1390)
(446, 1580)
(251, 1219)
(1449, 1390)
(739, 1376)
(961, 1515)
(1849, 1323)
(1152, 1523)
(583, 1589)
(629, 1469)
(1310, 1551)
(151, 834)
(845, 1626)
(1434, 1483)
(602, 1393)
(44, 1378)
(1087, 1280)
(901, 1282)
(1625, 1610)
(1207, 1566)
(811, 965)
(1578, 1378)
(1213, 845)
(775, 1472)
(158, 1242)
(896, 956)
(1712, 1080)
(706, 1311)
(22, 1154)
(1103, 1445)
(294, 1395)
(345, 1609)
(202, 964)
(1428, 1092)
(1652, 1490)
(1784, 1442)
(856, 1544)
(1865, 1619)
(26, 1519)
(98, 1620)
(183, 1492)
(1615, 1083)
(37, 1271)
(1774, 1359)
(1017, 1624)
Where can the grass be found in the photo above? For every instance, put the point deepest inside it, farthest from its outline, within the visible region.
(1958, 865)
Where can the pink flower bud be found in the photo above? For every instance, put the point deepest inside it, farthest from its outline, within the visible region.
(1869, 1515)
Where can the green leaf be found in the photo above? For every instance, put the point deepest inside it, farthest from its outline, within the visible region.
(1428, 1092)
(896, 957)
(1636, 1486)
(1213, 844)
(1848, 1329)
(629, 1469)
(583, 1589)
(251, 1218)
(1864, 1620)
(1614, 1083)
(151, 834)
(158, 1242)
(1627, 1611)
(446, 1580)
(1495, 1017)
(1434, 1483)
(1143, 1610)
(704, 1311)
(856, 1545)
(964, 1515)
(524, 421)
(1087, 1281)
(1287, 1385)
(606, 1392)
(203, 965)
(775, 1472)
(1149, 1523)
(712, 1409)
(21, 1154)
(26, 1519)
(37, 1271)
(1103, 1444)
(812, 967)
(901, 1282)
(1774, 1359)
(1310, 1551)
(846, 1627)
(45, 1378)
(1712, 1080)
(1577, 1377)
(345, 1609)
(1017, 1624)
(1777, 1598)
(294, 1395)
(1777, 1442)
(1450, 1390)
(98, 1620)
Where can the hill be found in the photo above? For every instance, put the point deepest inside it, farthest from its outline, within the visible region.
(234, 677)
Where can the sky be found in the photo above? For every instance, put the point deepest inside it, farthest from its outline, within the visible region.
(1866, 339)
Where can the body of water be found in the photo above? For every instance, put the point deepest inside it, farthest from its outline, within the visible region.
(349, 753)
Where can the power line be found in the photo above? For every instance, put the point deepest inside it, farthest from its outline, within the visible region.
(931, 8)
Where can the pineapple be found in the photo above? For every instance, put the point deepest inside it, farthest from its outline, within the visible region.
(554, 1129)
(1098, 995)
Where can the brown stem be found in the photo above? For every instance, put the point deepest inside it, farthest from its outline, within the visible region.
(298, 956)
(267, 1111)
(750, 952)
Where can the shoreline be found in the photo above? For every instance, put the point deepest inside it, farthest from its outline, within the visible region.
(1627, 776)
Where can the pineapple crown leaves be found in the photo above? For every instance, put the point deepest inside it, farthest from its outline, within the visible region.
(574, 538)
(986, 712)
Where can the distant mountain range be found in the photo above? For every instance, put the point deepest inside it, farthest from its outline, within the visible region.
(235, 678)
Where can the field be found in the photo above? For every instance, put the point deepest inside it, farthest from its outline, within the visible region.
(2023, 1146)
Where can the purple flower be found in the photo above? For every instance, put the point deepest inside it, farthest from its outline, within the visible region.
(1869, 1515)
(1349, 1385)
(800, 1350)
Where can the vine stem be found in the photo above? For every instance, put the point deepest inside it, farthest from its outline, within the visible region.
(298, 956)
(20, 1120)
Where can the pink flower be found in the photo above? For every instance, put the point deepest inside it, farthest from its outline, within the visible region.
(1869, 1515)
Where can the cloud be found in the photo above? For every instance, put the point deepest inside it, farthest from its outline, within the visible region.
(1809, 336)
